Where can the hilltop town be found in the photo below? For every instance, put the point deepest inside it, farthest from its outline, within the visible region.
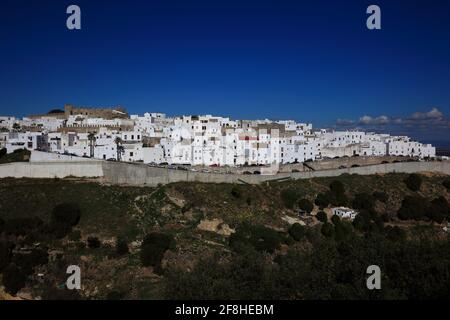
(154, 138)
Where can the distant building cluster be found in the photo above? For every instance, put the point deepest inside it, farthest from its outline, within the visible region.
(112, 134)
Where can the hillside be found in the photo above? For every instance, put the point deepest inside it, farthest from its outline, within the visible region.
(180, 229)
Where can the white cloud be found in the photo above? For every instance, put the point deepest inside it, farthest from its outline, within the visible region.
(432, 114)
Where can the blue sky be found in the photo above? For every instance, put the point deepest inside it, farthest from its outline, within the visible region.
(312, 61)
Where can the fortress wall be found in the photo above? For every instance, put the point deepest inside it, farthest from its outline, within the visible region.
(140, 174)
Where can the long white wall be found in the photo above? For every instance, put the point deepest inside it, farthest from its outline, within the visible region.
(139, 174)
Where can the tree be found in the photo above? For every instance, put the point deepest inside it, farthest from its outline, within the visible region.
(413, 208)
(153, 247)
(327, 230)
(413, 182)
(363, 201)
(297, 231)
(119, 148)
(3, 152)
(16, 126)
(2, 225)
(439, 210)
(92, 138)
(13, 278)
(236, 192)
(323, 199)
(93, 242)
(322, 216)
(306, 205)
(335, 219)
(289, 197)
(257, 237)
(5, 254)
(64, 216)
(121, 247)
(446, 183)
(380, 196)
(337, 187)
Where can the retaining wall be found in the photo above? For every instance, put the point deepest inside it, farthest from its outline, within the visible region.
(140, 174)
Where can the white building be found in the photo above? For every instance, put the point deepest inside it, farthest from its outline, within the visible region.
(344, 213)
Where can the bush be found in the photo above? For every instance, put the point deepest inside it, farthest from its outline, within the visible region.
(413, 208)
(413, 182)
(235, 192)
(121, 247)
(335, 219)
(22, 226)
(323, 200)
(327, 230)
(322, 216)
(446, 183)
(297, 231)
(289, 198)
(3, 152)
(380, 196)
(67, 214)
(439, 210)
(93, 242)
(2, 225)
(5, 254)
(306, 205)
(13, 278)
(153, 247)
(363, 201)
(337, 187)
(64, 217)
(27, 261)
(259, 237)
(395, 233)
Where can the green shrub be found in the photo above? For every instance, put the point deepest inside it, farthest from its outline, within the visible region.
(413, 208)
(446, 183)
(439, 210)
(380, 196)
(335, 219)
(27, 261)
(236, 192)
(306, 205)
(2, 225)
(259, 237)
(75, 235)
(22, 226)
(121, 247)
(153, 247)
(323, 199)
(67, 214)
(413, 182)
(3, 152)
(363, 201)
(337, 187)
(93, 242)
(5, 254)
(322, 216)
(327, 230)
(13, 278)
(297, 231)
(289, 198)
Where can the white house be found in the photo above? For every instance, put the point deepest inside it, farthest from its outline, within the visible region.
(345, 213)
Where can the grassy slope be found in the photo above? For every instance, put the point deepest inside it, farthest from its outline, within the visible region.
(110, 211)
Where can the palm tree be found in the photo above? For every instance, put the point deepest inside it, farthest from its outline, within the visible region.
(92, 139)
(119, 148)
(16, 126)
